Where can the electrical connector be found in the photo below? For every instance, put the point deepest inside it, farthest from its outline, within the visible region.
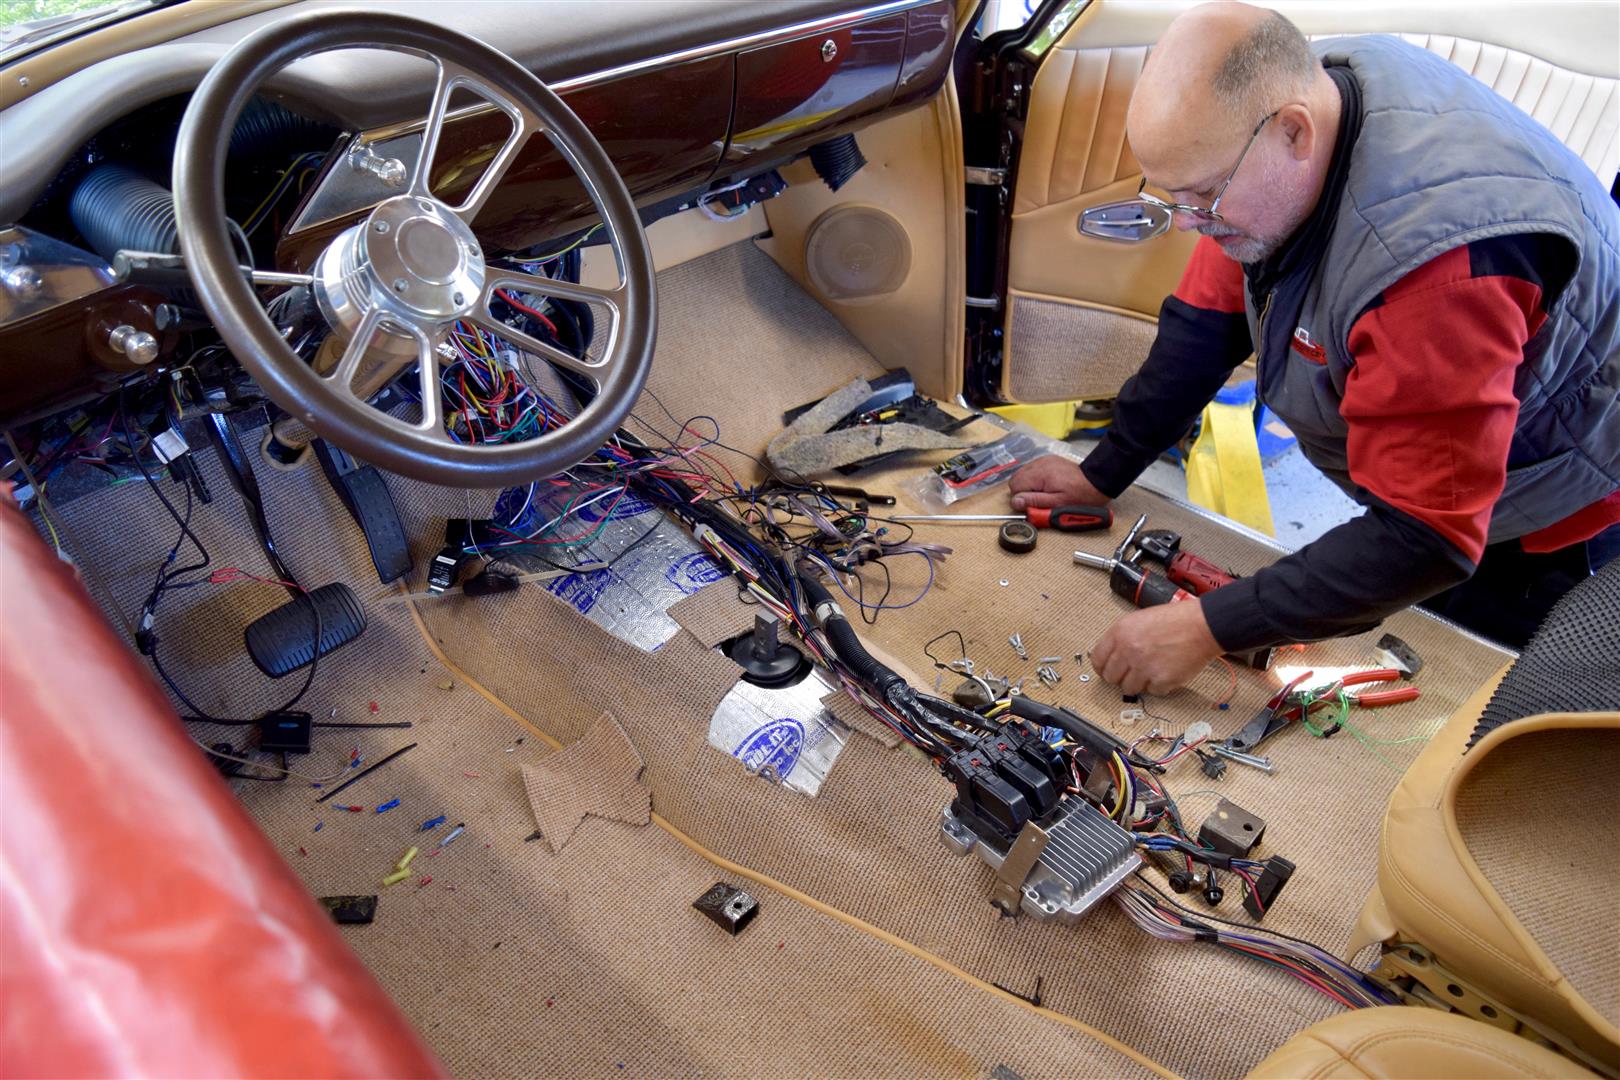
(1272, 878)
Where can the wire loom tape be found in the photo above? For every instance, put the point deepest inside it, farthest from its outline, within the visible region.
(787, 890)
(1017, 537)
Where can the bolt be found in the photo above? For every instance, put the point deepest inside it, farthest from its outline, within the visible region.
(458, 298)
(380, 226)
(400, 284)
(22, 81)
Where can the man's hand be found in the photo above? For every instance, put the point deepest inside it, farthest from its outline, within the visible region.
(1156, 650)
(1053, 481)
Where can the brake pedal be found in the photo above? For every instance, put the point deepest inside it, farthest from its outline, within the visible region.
(282, 641)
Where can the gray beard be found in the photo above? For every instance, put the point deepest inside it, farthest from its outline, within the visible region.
(1250, 250)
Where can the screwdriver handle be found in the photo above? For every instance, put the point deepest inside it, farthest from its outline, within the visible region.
(1196, 575)
(1070, 518)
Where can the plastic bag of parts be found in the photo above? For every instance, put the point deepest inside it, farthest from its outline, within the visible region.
(979, 468)
(784, 735)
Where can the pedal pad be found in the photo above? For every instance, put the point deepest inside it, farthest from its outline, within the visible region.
(282, 641)
(365, 495)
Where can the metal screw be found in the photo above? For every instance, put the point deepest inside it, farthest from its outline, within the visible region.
(829, 51)
(400, 284)
(22, 80)
(458, 298)
(380, 226)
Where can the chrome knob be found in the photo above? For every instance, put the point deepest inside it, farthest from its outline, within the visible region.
(23, 283)
(829, 51)
(390, 171)
(138, 346)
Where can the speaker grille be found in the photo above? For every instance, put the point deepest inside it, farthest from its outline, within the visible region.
(857, 253)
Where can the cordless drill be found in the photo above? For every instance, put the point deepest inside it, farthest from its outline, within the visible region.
(1198, 576)
(1144, 587)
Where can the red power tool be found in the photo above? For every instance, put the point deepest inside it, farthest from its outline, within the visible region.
(1198, 576)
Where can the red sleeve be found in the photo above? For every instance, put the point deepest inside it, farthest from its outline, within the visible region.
(1211, 281)
(1430, 403)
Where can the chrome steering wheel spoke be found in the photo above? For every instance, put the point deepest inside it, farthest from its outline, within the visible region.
(394, 285)
(524, 124)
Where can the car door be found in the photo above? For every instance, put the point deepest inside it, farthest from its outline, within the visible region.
(1055, 315)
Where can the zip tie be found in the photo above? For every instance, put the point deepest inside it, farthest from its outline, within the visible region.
(396, 877)
(405, 860)
(387, 806)
(434, 823)
(455, 832)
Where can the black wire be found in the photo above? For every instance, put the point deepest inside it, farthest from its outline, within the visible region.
(165, 579)
(940, 637)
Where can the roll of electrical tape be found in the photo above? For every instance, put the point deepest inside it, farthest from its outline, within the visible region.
(1018, 537)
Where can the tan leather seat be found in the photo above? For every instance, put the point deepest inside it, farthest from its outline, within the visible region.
(1406, 1042)
(1498, 876)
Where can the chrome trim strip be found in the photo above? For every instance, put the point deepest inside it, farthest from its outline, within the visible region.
(696, 52)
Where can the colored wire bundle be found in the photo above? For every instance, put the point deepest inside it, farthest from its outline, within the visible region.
(1162, 917)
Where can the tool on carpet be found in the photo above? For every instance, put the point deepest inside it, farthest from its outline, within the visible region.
(1061, 518)
(1144, 587)
(1197, 575)
(1290, 704)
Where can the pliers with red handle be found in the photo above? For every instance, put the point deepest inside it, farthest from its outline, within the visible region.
(1379, 697)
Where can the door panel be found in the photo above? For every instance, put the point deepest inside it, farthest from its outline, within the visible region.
(1081, 312)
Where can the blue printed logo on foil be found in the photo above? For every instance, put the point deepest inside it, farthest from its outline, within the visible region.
(691, 572)
(776, 747)
(582, 591)
(627, 507)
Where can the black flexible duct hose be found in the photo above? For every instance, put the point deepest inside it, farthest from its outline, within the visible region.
(114, 208)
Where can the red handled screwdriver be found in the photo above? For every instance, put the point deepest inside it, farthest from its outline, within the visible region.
(1061, 518)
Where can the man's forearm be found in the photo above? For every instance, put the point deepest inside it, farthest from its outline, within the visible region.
(1345, 582)
(1192, 356)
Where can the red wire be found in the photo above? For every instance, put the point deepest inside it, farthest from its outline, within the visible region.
(229, 574)
(527, 310)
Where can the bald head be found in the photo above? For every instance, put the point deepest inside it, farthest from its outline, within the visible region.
(1230, 87)
(1215, 72)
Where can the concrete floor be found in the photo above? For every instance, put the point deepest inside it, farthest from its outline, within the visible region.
(1304, 503)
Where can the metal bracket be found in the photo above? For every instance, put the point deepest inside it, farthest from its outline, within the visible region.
(1440, 988)
(1008, 891)
(984, 176)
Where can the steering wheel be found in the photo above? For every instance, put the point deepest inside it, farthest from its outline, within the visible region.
(394, 284)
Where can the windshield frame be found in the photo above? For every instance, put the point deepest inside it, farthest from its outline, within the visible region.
(72, 25)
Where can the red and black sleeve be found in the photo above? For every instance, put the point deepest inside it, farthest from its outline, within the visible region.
(1431, 411)
(1203, 335)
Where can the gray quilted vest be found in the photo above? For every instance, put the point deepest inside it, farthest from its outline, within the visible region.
(1441, 161)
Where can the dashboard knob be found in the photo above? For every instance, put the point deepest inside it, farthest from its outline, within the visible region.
(138, 346)
(23, 283)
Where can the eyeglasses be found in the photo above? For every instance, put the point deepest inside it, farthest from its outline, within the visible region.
(1148, 216)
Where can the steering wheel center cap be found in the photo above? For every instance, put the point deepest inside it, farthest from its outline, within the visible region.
(422, 258)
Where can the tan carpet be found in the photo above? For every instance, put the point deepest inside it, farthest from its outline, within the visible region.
(603, 929)
(1551, 849)
(867, 844)
(512, 960)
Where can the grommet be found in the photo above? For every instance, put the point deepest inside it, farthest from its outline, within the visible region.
(1017, 537)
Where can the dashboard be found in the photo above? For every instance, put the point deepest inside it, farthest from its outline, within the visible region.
(684, 96)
